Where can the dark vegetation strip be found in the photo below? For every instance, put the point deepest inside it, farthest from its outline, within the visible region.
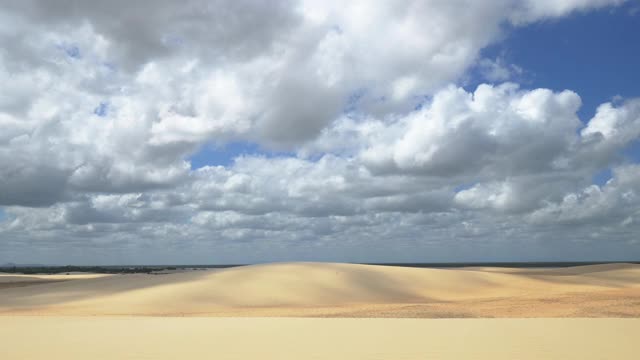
(107, 269)
(146, 269)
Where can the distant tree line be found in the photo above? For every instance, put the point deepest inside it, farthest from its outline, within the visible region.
(88, 269)
(136, 269)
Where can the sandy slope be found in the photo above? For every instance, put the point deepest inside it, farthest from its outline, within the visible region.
(327, 290)
(336, 339)
(337, 290)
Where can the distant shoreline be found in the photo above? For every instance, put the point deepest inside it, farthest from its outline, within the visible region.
(148, 269)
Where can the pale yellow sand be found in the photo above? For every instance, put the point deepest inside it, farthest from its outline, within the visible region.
(9, 278)
(200, 312)
(281, 338)
(334, 290)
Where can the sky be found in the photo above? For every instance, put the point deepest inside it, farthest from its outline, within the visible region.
(199, 132)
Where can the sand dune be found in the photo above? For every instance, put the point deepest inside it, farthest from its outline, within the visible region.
(76, 313)
(336, 290)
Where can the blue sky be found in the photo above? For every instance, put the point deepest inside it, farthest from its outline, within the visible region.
(590, 53)
(593, 54)
(221, 155)
(104, 112)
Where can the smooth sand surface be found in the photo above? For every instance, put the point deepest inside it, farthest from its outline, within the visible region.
(334, 290)
(220, 314)
(29, 337)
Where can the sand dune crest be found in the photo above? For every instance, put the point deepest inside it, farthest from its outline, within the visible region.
(326, 289)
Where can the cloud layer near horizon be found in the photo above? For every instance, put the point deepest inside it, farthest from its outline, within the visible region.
(384, 156)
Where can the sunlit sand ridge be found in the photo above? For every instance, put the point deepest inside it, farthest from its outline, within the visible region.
(220, 313)
(334, 290)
